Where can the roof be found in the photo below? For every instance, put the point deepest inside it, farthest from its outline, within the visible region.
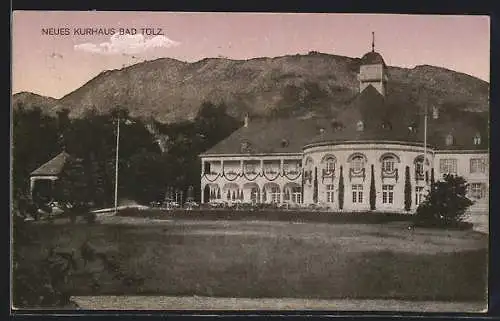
(372, 58)
(386, 119)
(383, 119)
(269, 136)
(53, 167)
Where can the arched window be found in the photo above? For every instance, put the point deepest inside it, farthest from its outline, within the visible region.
(330, 165)
(419, 167)
(357, 163)
(309, 163)
(449, 140)
(388, 164)
(360, 126)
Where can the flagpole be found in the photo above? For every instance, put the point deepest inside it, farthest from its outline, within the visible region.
(425, 142)
(116, 163)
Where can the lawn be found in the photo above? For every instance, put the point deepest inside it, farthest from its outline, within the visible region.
(273, 259)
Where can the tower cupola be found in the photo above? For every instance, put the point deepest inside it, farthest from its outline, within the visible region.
(373, 70)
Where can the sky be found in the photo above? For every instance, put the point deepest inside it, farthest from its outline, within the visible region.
(53, 54)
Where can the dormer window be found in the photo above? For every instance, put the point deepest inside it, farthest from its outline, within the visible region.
(360, 126)
(435, 112)
(245, 147)
(284, 143)
(412, 127)
(336, 125)
(477, 139)
(387, 125)
(449, 140)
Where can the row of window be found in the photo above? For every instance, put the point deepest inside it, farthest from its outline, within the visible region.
(476, 191)
(450, 165)
(477, 165)
(357, 193)
(357, 163)
(449, 139)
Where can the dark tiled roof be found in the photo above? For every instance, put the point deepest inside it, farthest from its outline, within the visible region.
(265, 136)
(53, 167)
(372, 58)
(384, 119)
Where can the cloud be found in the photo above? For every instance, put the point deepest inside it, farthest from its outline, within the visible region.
(127, 44)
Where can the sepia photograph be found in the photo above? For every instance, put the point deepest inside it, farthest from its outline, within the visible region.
(194, 161)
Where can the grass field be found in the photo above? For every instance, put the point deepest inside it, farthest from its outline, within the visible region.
(274, 259)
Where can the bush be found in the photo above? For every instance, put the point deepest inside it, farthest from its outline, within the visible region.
(446, 203)
(91, 218)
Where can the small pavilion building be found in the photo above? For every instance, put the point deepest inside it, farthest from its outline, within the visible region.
(43, 180)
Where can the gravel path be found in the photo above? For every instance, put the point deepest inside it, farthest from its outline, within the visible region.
(210, 303)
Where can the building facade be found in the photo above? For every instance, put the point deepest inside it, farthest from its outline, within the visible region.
(374, 150)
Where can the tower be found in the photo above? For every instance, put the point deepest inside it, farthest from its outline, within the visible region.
(373, 71)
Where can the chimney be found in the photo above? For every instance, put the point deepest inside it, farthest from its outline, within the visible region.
(246, 120)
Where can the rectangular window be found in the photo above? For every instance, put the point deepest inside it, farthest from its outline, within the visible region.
(419, 195)
(357, 193)
(448, 166)
(387, 194)
(477, 165)
(296, 195)
(329, 193)
(477, 190)
(207, 168)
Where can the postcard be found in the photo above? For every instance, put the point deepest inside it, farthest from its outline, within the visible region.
(249, 161)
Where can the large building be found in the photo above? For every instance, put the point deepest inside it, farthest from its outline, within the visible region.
(332, 163)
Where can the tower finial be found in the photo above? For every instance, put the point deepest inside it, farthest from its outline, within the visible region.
(373, 41)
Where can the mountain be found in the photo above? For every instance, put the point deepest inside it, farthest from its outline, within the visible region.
(29, 100)
(302, 85)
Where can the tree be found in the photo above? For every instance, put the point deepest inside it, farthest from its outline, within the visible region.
(72, 187)
(315, 187)
(34, 141)
(341, 189)
(407, 189)
(446, 203)
(141, 178)
(373, 195)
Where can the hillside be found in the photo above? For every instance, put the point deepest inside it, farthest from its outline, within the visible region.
(30, 99)
(170, 90)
